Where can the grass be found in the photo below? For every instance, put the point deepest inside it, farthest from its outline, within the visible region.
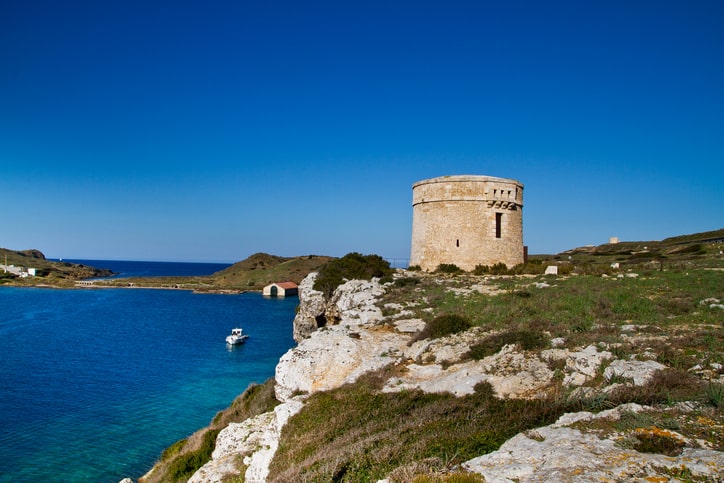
(356, 433)
(524, 339)
(587, 310)
(443, 325)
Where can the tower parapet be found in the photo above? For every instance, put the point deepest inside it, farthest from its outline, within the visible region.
(467, 221)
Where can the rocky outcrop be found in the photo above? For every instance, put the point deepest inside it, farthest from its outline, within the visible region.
(353, 303)
(310, 314)
(345, 337)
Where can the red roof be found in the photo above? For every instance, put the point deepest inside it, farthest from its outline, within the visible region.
(286, 285)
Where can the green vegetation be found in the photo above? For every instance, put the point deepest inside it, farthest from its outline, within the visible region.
(353, 266)
(496, 269)
(262, 269)
(587, 310)
(406, 281)
(525, 339)
(652, 307)
(183, 466)
(252, 273)
(356, 433)
(443, 325)
(448, 268)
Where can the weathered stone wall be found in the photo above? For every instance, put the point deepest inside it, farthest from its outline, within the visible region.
(467, 221)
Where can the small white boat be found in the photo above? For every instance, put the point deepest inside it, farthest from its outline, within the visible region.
(237, 337)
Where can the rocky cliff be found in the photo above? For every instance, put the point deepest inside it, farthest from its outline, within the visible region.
(341, 339)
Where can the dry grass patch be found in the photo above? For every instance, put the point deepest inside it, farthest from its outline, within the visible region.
(356, 433)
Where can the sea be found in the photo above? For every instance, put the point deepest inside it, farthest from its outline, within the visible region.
(96, 383)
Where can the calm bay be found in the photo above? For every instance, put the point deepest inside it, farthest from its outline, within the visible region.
(95, 383)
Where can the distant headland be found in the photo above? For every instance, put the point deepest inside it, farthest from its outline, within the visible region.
(31, 268)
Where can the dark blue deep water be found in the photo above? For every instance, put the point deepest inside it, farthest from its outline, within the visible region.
(95, 383)
(123, 268)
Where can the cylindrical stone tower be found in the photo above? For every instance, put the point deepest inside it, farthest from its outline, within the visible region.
(467, 221)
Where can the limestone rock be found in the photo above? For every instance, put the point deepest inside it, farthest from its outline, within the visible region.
(217, 470)
(311, 307)
(341, 339)
(561, 453)
(580, 365)
(511, 374)
(334, 356)
(353, 303)
(242, 438)
(639, 372)
(410, 326)
(258, 463)
(252, 442)
(433, 378)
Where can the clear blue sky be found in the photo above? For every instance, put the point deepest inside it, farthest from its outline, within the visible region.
(208, 131)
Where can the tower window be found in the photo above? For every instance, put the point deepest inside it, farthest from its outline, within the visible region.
(498, 223)
(457, 242)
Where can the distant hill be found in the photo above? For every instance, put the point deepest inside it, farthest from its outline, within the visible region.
(261, 269)
(48, 271)
(683, 247)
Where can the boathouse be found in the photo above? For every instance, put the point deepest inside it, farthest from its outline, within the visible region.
(281, 289)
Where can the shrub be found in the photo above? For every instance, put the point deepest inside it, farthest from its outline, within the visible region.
(186, 464)
(665, 386)
(386, 279)
(415, 268)
(406, 281)
(444, 325)
(714, 394)
(352, 266)
(448, 268)
(525, 339)
(173, 450)
(496, 269)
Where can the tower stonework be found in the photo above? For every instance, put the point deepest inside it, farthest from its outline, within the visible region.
(467, 221)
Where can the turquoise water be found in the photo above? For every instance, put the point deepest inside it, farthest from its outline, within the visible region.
(94, 384)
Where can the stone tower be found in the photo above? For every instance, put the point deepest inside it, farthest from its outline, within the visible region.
(467, 221)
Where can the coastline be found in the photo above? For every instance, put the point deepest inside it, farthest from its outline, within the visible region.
(76, 286)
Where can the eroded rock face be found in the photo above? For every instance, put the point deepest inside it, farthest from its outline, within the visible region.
(310, 314)
(339, 354)
(353, 303)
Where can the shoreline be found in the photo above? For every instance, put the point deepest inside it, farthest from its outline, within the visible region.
(76, 286)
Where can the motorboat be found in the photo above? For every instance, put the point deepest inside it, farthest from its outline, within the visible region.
(237, 337)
